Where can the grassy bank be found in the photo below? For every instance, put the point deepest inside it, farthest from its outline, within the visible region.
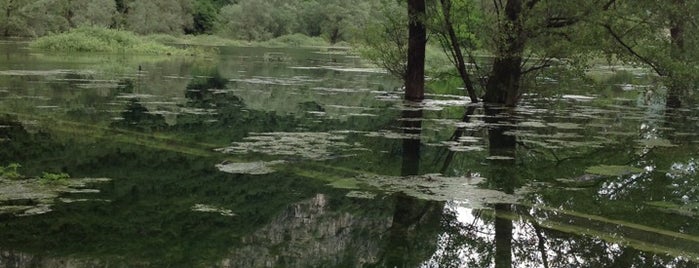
(291, 40)
(94, 39)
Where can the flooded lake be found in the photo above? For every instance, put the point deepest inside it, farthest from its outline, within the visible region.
(307, 158)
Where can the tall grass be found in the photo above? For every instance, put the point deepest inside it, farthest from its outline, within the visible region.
(95, 39)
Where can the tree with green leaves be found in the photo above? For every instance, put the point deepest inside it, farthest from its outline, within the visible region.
(165, 16)
(660, 36)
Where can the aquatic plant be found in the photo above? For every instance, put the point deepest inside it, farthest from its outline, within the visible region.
(47, 177)
(96, 39)
(10, 171)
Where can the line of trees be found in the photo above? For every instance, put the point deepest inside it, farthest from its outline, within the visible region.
(527, 36)
(253, 20)
(522, 36)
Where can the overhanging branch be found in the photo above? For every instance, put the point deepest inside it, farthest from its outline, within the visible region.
(633, 52)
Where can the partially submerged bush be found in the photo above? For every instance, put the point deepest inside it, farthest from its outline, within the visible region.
(95, 39)
(47, 177)
(10, 171)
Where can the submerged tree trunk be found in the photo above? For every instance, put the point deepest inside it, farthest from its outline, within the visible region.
(412, 127)
(8, 13)
(504, 81)
(678, 84)
(412, 237)
(503, 176)
(415, 74)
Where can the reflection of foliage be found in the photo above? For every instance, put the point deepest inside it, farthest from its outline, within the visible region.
(137, 116)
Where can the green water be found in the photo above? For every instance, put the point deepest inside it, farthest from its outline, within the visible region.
(307, 158)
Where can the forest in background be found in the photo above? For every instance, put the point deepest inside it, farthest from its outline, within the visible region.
(523, 37)
(250, 20)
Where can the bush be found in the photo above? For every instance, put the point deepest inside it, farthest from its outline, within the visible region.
(47, 177)
(10, 171)
(95, 39)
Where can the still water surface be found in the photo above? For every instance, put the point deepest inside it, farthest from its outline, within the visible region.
(306, 158)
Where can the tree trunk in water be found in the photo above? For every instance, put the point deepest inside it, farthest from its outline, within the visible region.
(504, 81)
(503, 176)
(412, 126)
(678, 84)
(8, 13)
(415, 74)
(503, 237)
(416, 223)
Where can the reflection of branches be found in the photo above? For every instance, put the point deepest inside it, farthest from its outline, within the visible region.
(641, 156)
(541, 245)
(458, 133)
(626, 184)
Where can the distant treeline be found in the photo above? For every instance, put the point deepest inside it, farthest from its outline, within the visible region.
(253, 20)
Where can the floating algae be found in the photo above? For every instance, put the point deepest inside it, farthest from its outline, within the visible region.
(33, 196)
(611, 170)
(656, 143)
(252, 168)
(361, 195)
(308, 145)
(439, 188)
(212, 209)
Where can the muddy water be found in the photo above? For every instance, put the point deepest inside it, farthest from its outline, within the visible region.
(309, 158)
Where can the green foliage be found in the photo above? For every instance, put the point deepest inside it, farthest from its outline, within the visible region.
(47, 177)
(204, 17)
(99, 13)
(10, 171)
(94, 39)
(385, 41)
(260, 20)
(164, 16)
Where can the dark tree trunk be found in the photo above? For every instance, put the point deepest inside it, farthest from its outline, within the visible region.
(678, 83)
(504, 81)
(417, 39)
(412, 126)
(503, 237)
(503, 176)
(416, 223)
(8, 13)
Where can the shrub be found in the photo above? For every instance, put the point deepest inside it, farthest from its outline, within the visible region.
(96, 39)
(10, 171)
(47, 177)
